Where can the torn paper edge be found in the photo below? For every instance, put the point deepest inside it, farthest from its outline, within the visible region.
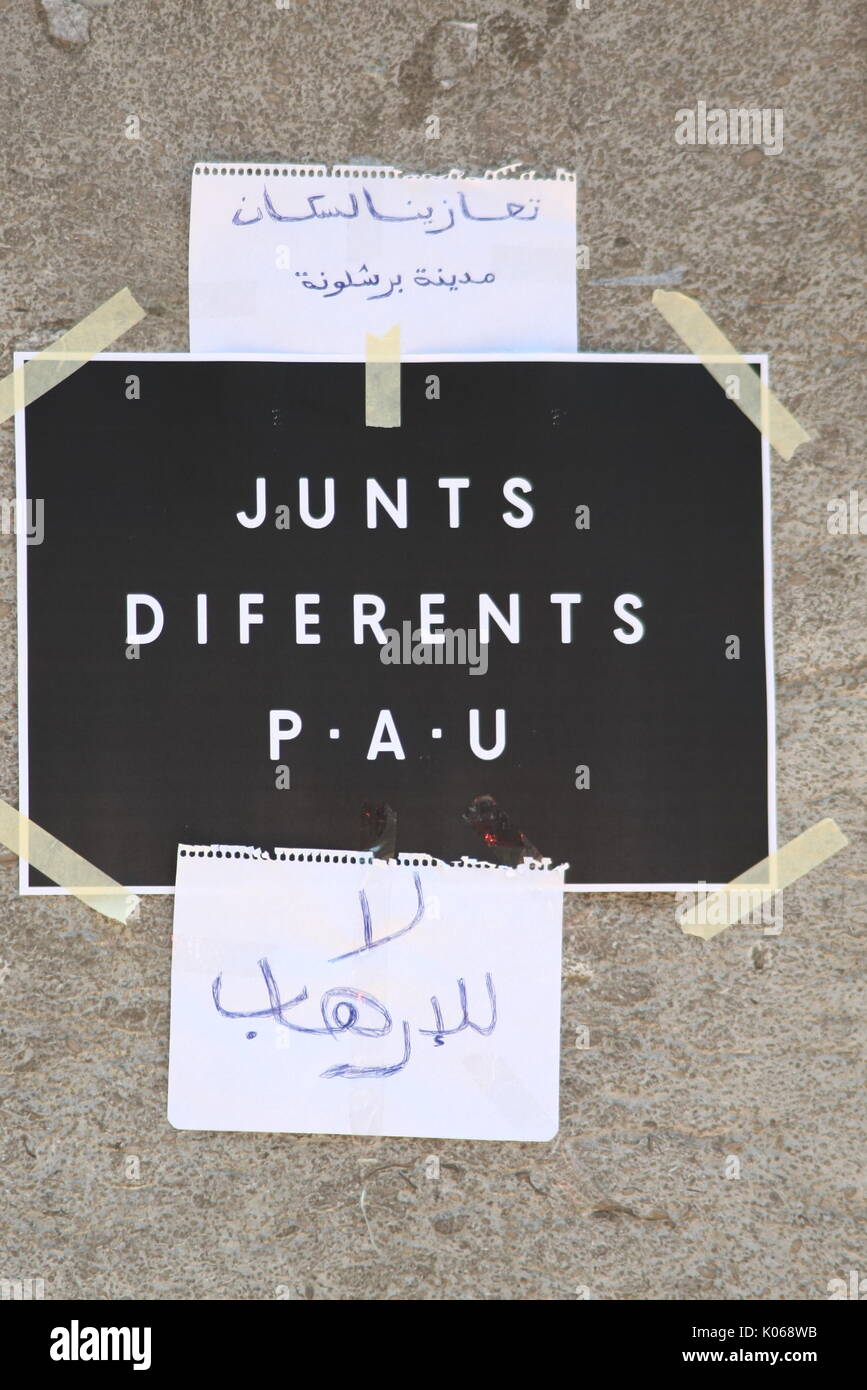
(404, 860)
(368, 171)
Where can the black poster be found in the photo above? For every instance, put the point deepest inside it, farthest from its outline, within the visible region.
(248, 614)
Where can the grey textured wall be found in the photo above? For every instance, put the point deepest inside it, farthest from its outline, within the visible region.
(749, 1045)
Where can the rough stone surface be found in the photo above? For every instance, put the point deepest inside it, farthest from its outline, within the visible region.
(699, 1053)
(68, 21)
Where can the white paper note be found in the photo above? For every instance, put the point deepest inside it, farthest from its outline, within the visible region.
(292, 258)
(336, 994)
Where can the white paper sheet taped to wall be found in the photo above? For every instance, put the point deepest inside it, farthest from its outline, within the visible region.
(328, 992)
(294, 258)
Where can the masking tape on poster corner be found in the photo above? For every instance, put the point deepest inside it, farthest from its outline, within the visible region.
(758, 885)
(67, 869)
(382, 379)
(69, 352)
(722, 359)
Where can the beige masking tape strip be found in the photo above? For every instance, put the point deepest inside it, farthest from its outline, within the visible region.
(722, 360)
(382, 379)
(71, 350)
(60, 863)
(759, 884)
